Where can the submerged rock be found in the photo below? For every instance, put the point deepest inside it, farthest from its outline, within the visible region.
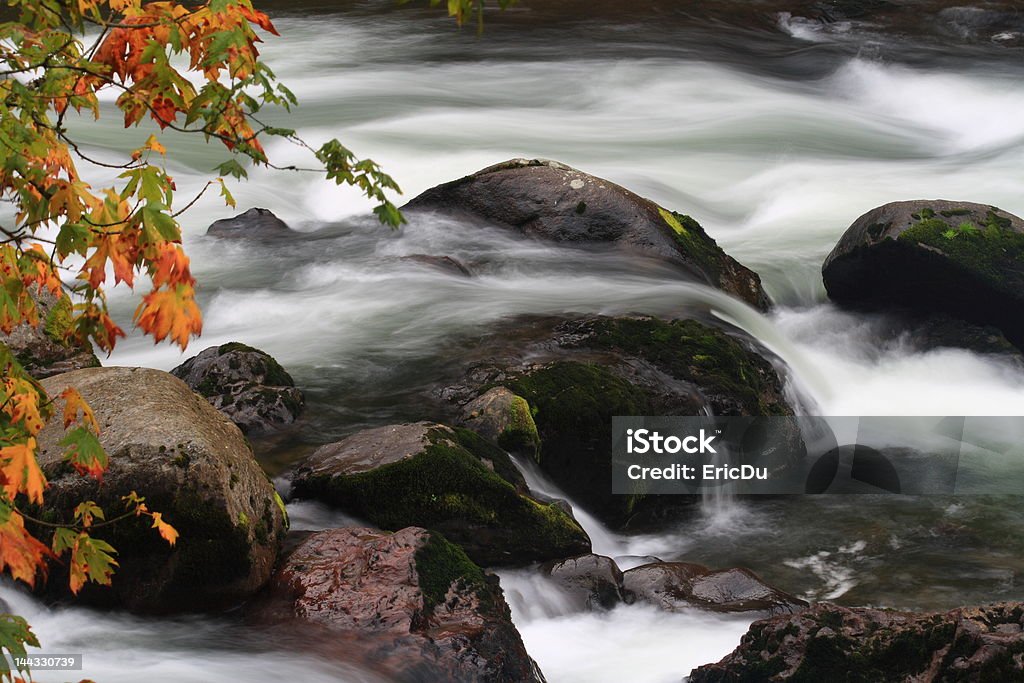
(408, 603)
(192, 465)
(246, 384)
(679, 586)
(574, 376)
(952, 258)
(862, 645)
(254, 224)
(451, 480)
(593, 581)
(44, 349)
(551, 201)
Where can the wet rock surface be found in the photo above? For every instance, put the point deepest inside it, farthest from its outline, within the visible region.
(451, 480)
(246, 384)
(408, 604)
(679, 586)
(955, 259)
(862, 645)
(255, 223)
(550, 201)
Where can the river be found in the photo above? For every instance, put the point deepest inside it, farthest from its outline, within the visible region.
(774, 136)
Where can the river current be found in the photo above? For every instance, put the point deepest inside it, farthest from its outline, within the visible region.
(775, 139)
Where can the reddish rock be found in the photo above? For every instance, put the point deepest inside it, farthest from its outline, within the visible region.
(409, 604)
(861, 645)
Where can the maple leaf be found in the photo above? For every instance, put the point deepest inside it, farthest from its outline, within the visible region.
(170, 313)
(91, 560)
(21, 471)
(20, 553)
(74, 404)
(168, 532)
(171, 267)
(84, 452)
(119, 250)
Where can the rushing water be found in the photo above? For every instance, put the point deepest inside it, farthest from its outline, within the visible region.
(775, 138)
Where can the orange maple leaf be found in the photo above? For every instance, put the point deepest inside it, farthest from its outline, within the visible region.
(73, 404)
(21, 471)
(168, 532)
(20, 553)
(170, 313)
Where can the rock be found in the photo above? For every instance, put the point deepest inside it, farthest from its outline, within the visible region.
(451, 480)
(42, 349)
(503, 418)
(254, 223)
(551, 201)
(246, 384)
(861, 645)
(442, 263)
(680, 586)
(192, 465)
(953, 258)
(408, 603)
(594, 581)
(576, 375)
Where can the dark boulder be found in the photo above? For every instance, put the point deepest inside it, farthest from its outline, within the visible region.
(193, 466)
(593, 581)
(679, 586)
(574, 376)
(44, 349)
(934, 257)
(246, 384)
(408, 604)
(503, 418)
(451, 480)
(861, 645)
(445, 264)
(548, 200)
(254, 223)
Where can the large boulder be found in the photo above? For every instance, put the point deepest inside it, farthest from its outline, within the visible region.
(861, 645)
(573, 376)
(954, 258)
(681, 586)
(44, 349)
(551, 201)
(192, 465)
(254, 224)
(409, 604)
(430, 475)
(246, 384)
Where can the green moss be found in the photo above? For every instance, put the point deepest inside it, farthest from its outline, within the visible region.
(576, 401)
(280, 506)
(448, 488)
(699, 354)
(484, 450)
(991, 251)
(235, 346)
(243, 519)
(58, 321)
(209, 386)
(439, 564)
(521, 435)
(695, 242)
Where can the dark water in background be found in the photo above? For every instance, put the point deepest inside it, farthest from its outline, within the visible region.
(775, 133)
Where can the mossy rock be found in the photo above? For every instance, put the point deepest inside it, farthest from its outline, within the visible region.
(246, 384)
(934, 257)
(444, 479)
(190, 464)
(505, 419)
(549, 200)
(409, 606)
(862, 645)
(634, 366)
(47, 349)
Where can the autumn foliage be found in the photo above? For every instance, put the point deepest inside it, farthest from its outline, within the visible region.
(190, 67)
